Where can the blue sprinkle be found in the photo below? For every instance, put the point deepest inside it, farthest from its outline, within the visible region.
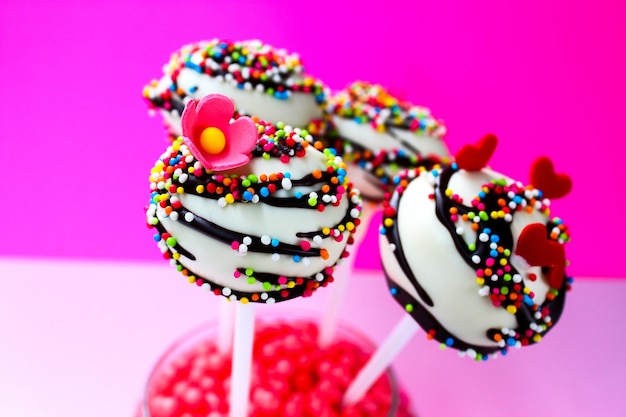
(382, 230)
(449, 341)
(493, 253)
(298, 194)
(340, 178)
(264, 192)
(495, 238)
(510, 341)
(296, 258)
(517, 199)
(247, 195)
(242, 59)
(527, 300)
(287, 174)
(481, 194)
(504, 352)
(436, 173)
(384, 180)
(393, 291)
(193, 66)
(341, 172)
(157, 237)
(485, 357)
(396, 180)
(487, 230)
(274, 242)
(193, 89)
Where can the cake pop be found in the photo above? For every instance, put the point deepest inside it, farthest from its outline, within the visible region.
(262, 80)
(249, 210)
(475, 256)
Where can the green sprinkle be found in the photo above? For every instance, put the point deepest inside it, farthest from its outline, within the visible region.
(409, 308)
(249, 271)
(171, 242)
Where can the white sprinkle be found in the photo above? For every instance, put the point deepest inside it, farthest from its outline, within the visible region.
(471, 353)
(174, 216)
(264, 296)
(247, 240)
(484, 291)
(183, 178)
(266, 240)
(233, 297)
(226, 291)
(476, 259)
(392, 247)
(538, 315)
(286, 183)
(206, 286)
(319, 277)
(189, 217)
(275, 257)
(317, 239)
(517, 278)
(221, 202)
(493, 245)
(354, 213)
(243, 249)
(483, 237)
(270, 301)
(459, 230)
(326, 198)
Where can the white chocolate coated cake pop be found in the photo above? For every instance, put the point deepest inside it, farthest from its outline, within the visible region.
(250, 211)
(379, 136)
(263, 81)
(474, 256)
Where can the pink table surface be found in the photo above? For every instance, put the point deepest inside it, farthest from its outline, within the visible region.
(78, 339)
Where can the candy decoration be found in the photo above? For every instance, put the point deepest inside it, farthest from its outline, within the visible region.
(475, 157)
(535, 246)
(553, 185)
(216, 143)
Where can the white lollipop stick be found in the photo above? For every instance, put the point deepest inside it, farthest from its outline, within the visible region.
(226, 321)
(338, 289)
(243, 341)
(381, 359)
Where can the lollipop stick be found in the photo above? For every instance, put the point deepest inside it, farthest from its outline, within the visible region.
(225, 326)
(381, 359)
(338, 289)
(242, 360)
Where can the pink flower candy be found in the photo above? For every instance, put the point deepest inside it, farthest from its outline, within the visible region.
(212, 138)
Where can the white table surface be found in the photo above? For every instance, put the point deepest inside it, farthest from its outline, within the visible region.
(77, 339)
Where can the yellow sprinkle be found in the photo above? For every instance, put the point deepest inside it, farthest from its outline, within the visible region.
(526, 290)
(291, 284)
(537, 338)
(176, 255)
(190, 170)
(503, 261)
(341, 227)
(200, 189)
(449, 192)
(480, 281)
(326, 231)
(191, 279)
(388, 222)
(511, 309)
(180, 190)
(350, 226)
(229, 198)
(244, 300)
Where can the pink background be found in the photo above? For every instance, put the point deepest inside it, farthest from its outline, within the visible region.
(77, 143)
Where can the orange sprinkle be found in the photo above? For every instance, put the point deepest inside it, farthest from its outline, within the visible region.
(488, 272)
(324, 254)
(227, 181)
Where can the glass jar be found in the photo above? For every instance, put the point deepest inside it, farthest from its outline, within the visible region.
(291, 375)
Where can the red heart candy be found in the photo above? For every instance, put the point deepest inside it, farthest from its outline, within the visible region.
(538, 250)
(475, 157)
(543, 177)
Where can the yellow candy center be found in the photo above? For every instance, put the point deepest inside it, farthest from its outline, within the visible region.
(212, 140)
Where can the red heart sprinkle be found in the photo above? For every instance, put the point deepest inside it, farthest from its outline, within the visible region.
(538, 250)
(543, 177)
(475, 157)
